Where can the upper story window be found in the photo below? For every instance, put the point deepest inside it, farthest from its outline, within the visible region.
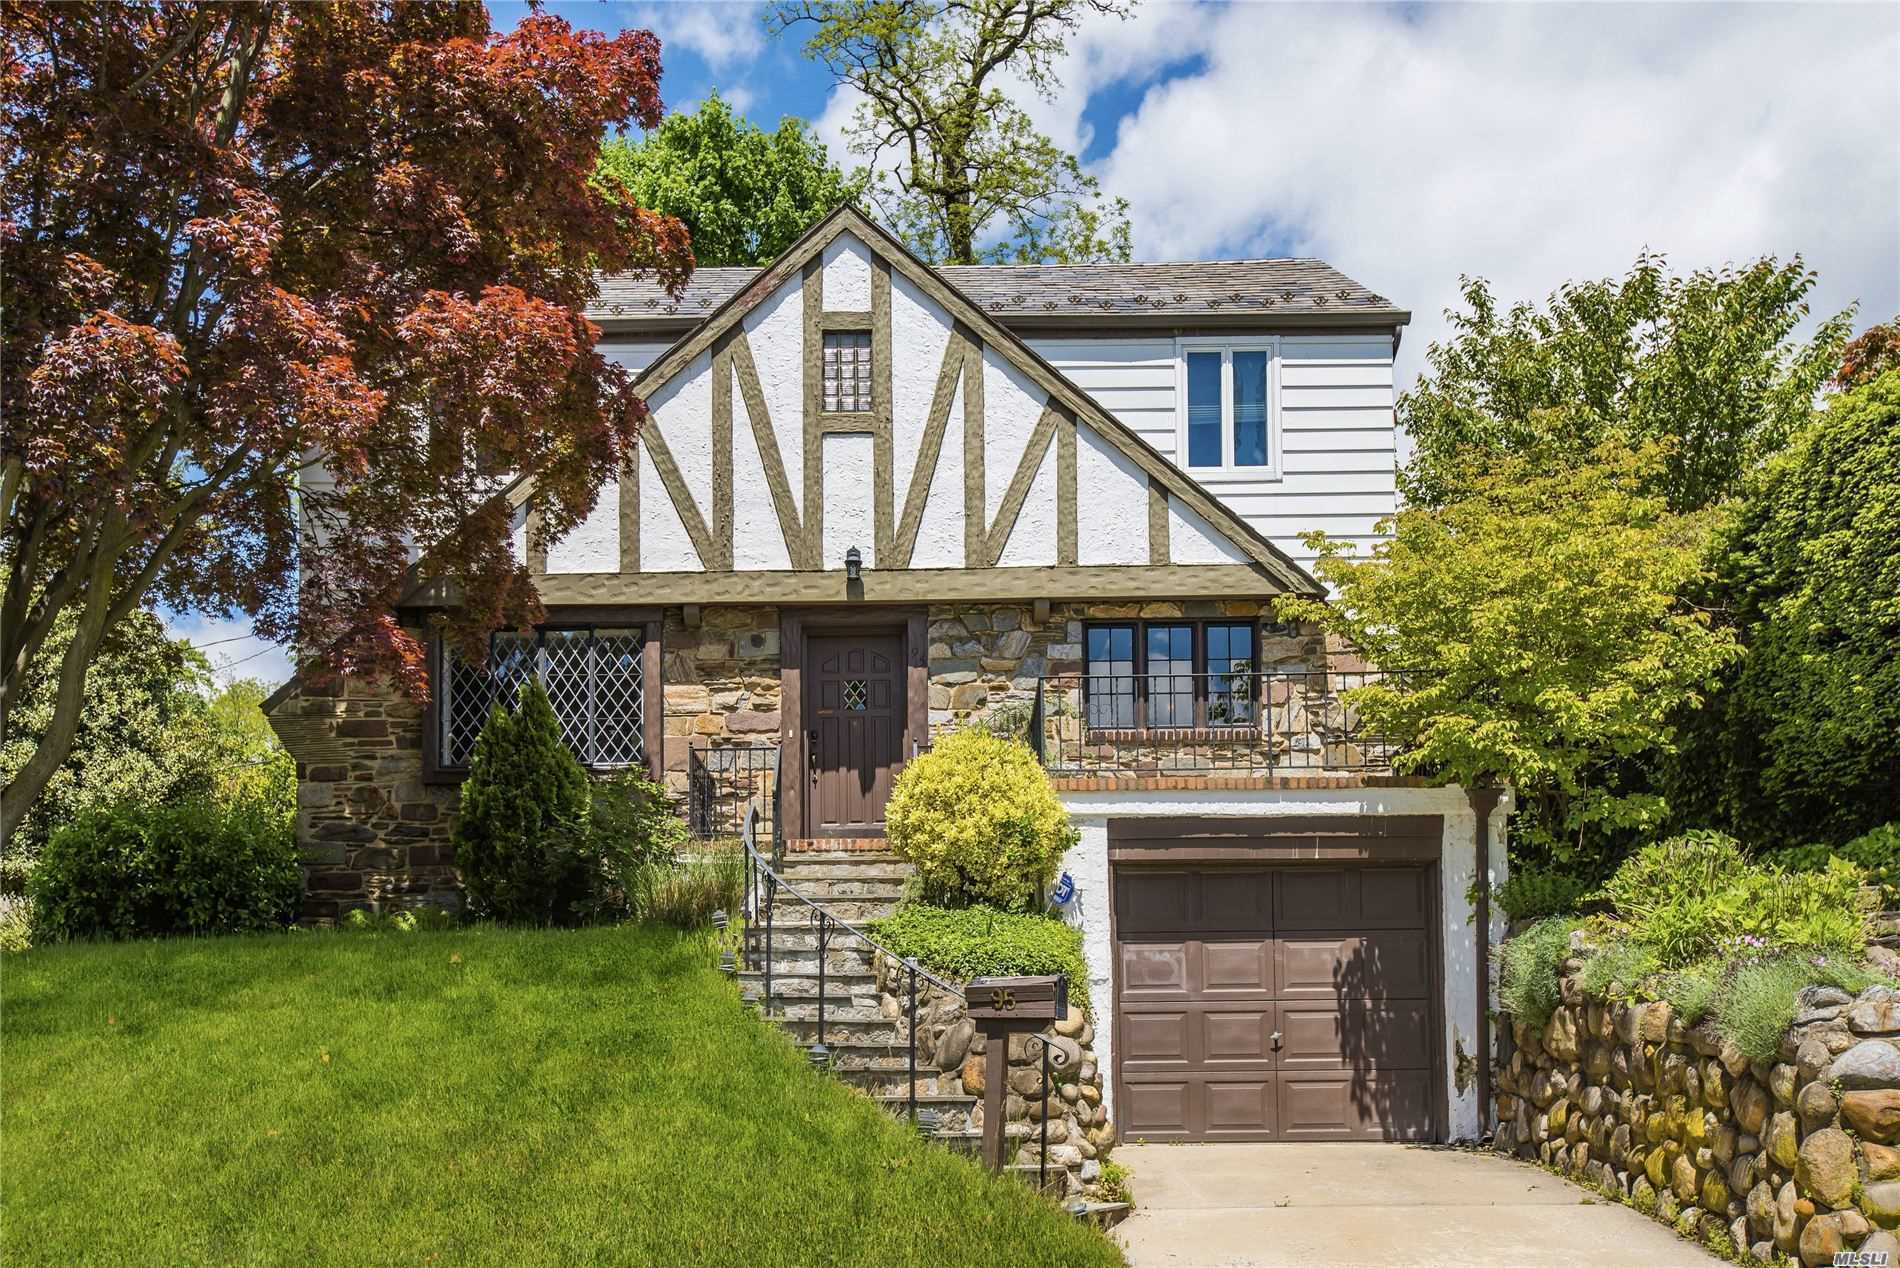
(594, 678)
(1228, 391)
(1170, 674)
(847, 372)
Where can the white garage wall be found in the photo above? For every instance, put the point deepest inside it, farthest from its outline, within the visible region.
(1088, 864)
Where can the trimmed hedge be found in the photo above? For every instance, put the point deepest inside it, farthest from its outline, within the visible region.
(194, 867)
(984, 942)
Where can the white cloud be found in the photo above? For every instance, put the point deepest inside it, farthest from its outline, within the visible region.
(232, 648)
(721, 34)
(1528, 145)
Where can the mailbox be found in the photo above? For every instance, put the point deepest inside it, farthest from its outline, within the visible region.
(1017, 998)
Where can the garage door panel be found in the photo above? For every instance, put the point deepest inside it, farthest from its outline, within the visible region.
(1237, 1035)
(1385, 965)
(1154, 970)
(1236, 900)
(1242, 967)
(1156, 902)
(1391, 898)
(1156, 1110)
(1354, 1107)
(1157, 1040)
(1354, 1035)
(1240, 1109)
(1315, 898)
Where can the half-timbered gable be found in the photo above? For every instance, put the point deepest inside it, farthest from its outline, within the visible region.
(850, 399)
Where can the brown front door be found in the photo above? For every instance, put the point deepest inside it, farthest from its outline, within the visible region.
(854, 730)
(1257, 1003)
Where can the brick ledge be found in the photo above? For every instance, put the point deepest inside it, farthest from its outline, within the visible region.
(1232, 782)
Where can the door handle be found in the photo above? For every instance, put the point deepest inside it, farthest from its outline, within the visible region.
(811, 753)
(1274, 1039)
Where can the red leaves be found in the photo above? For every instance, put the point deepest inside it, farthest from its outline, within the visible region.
(380, 262)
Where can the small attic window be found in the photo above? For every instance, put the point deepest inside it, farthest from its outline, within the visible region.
(848, 372)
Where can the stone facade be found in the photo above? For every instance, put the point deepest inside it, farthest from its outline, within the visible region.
(948, 1042)
(371, 833)
(1799, 1156)
(376, 834)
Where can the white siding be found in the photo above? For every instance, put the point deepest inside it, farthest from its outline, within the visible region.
(635, 354)
(1336, 444)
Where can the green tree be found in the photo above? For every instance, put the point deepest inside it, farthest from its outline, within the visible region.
(1800, 744)
(143, 736)
(1544, 612)
(1872, 353)
(250, 764)
(973, 179)
(1708, 363)
(525, 812)
(743, 193)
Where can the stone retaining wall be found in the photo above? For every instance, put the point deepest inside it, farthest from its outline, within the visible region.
(1799, 1156)
(948, 1043)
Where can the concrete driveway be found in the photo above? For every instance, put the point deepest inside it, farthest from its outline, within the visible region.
(1374, 1206)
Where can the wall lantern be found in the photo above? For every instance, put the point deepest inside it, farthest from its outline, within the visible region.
(853, 564)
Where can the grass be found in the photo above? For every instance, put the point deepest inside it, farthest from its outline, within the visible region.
(466, 1097)
(1757, 1004)
(1529, 966)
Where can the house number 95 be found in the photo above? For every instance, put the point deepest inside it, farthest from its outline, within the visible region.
(1002, 1000)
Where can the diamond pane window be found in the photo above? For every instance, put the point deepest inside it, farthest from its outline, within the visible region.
(593, 679)
(847, 375)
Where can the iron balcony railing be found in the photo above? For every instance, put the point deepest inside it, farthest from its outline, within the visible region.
(1240, 721)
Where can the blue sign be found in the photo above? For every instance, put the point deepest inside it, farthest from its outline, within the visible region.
(1064, 891)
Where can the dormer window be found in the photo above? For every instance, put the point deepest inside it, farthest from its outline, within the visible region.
(847, 372)
(1228, 415)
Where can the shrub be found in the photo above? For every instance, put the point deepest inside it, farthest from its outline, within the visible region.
(16, 923)
(194, 867)
(1533, 891)
(984, 942)
(631, 831)
(977, 817)
(686, 893)
(1757, 1003)
(1614, 970)
(1530, 966)
(1697, 895)
(523, 830)
(1692, 991)
(1876, 852)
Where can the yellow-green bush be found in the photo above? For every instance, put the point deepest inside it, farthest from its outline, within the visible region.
(978, 819)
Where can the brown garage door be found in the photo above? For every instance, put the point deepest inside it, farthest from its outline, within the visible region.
(1273, 1003)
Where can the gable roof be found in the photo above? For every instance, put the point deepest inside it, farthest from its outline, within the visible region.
(1257, 292)
(848, 219)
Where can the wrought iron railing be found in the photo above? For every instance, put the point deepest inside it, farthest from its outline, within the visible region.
(723, 783)
(1210, 723)
(765, 887)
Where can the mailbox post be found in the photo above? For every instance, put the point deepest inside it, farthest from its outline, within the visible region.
(1001, 1006)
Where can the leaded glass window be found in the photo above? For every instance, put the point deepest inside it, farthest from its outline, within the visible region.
(593, 678)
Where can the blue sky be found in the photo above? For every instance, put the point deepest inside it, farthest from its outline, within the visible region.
(1409, 145)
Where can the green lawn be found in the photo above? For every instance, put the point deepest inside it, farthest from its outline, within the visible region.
(474, 1097)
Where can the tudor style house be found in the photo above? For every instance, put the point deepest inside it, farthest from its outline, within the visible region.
(876, 500)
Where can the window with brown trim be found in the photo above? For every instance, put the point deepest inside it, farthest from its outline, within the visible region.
(594, 677)
(1170, 674)
(847, 373)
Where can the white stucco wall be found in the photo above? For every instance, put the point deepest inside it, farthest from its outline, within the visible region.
(775, 331)
(847, 275)
(1088, 864)
(594, 546)
(850, 486)
(1192, 540)
(1111, 520)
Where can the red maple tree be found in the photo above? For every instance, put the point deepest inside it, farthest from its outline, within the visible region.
(238, 239)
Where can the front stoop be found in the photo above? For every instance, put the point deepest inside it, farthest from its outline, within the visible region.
(857, 882)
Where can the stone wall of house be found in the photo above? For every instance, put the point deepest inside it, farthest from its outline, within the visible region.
(1799, 1156)
(721, 694)
(370, 832)
(960, 1059)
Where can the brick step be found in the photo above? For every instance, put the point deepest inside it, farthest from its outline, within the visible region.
(800, 992)
(805, 963)
(863, 867)
(842, 1012)
(811, 862)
